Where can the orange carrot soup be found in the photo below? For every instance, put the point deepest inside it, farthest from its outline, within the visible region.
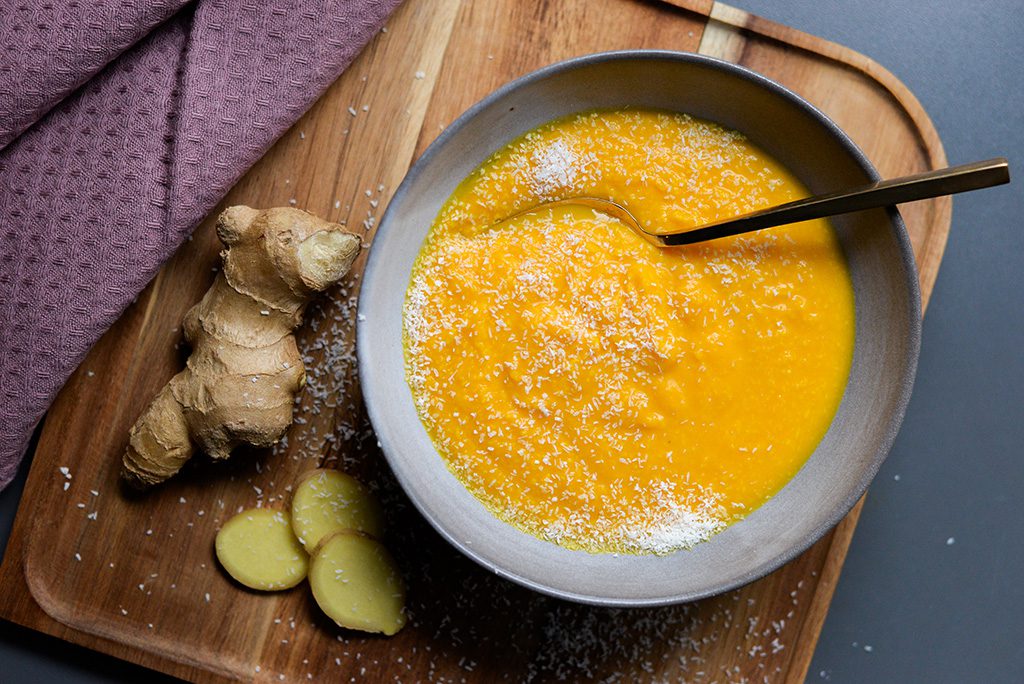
(606, 394)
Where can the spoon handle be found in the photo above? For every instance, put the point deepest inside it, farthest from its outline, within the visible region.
(884, 193)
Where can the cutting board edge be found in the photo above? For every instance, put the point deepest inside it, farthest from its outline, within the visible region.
(40, 613)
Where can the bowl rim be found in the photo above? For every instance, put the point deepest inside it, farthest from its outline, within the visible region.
(893, 421)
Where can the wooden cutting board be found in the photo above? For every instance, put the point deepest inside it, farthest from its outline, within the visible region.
(135, 576)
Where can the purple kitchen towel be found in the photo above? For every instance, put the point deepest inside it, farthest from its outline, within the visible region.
(50, 50)
(122, 124)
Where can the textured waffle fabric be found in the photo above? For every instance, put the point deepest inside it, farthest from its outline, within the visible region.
(122, 124)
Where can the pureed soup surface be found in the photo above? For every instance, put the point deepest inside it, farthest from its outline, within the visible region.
(606, 394)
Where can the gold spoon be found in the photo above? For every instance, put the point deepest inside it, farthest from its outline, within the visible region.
(948, 181)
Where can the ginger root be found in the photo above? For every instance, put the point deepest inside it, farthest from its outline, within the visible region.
(257, 548)
(356, 583)
(327, 501)
(240, 382)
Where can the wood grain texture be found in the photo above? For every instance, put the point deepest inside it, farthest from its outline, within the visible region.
(164, 603)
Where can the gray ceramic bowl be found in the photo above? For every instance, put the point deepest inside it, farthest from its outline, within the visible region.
(885, 354)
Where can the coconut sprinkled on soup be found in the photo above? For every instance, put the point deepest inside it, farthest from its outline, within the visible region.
(606, 394)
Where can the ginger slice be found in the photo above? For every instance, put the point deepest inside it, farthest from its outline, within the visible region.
(258, 548)
(356, 583)
(327, 501)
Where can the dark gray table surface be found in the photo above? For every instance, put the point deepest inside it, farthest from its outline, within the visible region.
(932, 589)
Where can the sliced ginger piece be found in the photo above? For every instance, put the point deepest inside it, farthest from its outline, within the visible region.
(258, 548)
(327, 501)
(356, 583)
